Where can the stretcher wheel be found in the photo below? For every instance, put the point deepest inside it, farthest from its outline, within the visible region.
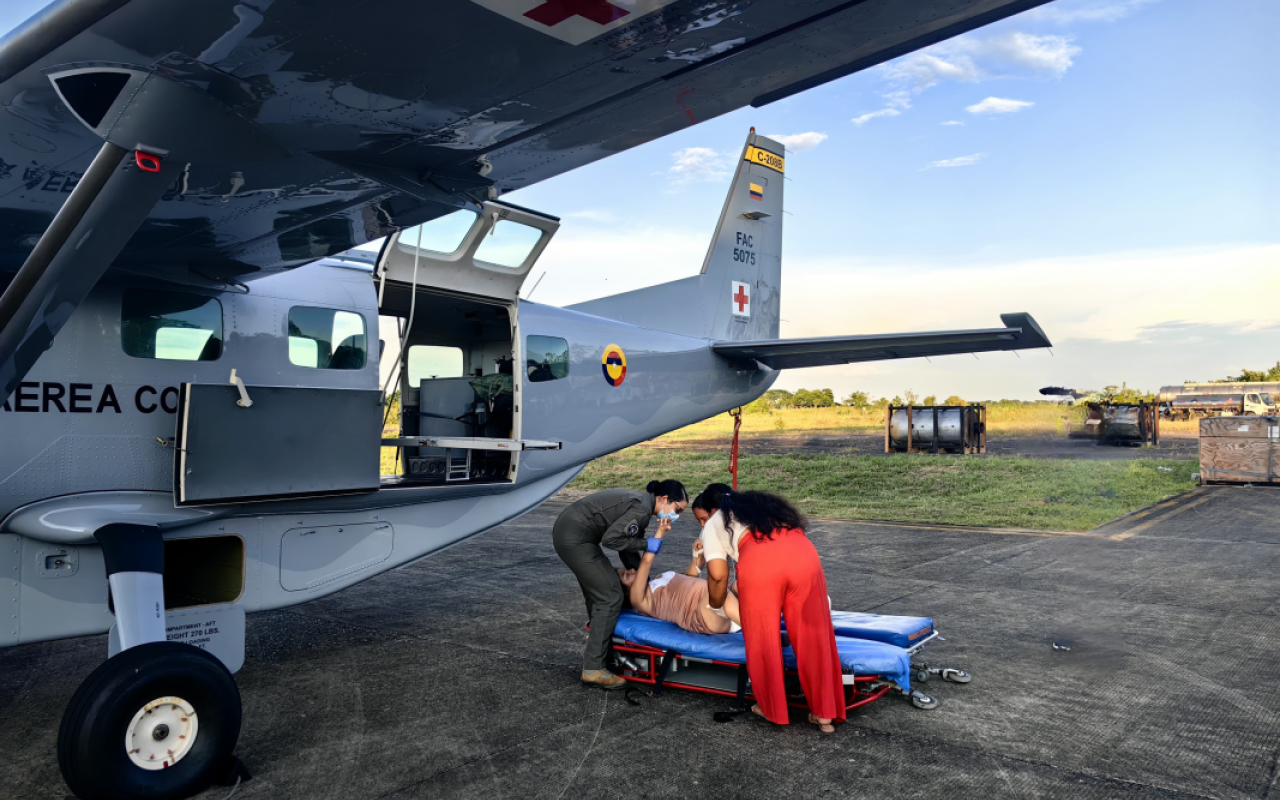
(956, 676)
(922, 700)
(921, 676)
(157, 721)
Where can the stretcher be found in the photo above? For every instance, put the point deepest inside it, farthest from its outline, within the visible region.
(876, 653)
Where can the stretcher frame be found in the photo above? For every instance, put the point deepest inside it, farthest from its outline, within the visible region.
(659, 666)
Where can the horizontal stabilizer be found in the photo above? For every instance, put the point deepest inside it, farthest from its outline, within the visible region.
(1020, 333)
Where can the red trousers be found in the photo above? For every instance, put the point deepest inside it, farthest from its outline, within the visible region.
(782, 577)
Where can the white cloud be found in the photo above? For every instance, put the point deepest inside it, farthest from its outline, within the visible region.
(1066, 11)
(971, 59)
(952, 122)
(698, 164)
(961, 161)
(799, 141)
(917, 72)
(998, 105)
(884, 112)
(1042, 55)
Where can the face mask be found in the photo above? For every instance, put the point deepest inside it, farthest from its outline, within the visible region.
(671, 515)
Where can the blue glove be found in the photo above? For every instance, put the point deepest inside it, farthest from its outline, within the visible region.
(654, 545)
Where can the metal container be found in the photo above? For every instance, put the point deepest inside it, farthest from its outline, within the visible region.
(950, 427)
(1124, 422)
(1121, 423)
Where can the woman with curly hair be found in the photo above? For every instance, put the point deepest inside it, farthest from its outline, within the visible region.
(780, 575)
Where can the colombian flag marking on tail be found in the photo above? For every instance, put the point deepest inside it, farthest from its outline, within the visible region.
(614, 365)
(757, 191)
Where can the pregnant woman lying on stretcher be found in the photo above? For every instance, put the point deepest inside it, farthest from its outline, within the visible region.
(681, 599)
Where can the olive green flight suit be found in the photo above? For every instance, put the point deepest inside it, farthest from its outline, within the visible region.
(616, 519)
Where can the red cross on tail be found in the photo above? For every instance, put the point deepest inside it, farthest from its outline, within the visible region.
(741, 299)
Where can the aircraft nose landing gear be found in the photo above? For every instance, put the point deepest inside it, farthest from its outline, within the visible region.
(158, 721)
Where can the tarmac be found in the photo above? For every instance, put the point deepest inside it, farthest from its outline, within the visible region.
(458, 676)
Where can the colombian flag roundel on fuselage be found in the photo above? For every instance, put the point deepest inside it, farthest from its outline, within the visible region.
(614, 364)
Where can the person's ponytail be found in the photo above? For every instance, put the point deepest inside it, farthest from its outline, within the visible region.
(671, 489)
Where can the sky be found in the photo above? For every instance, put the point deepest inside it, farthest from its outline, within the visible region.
(1109, 166)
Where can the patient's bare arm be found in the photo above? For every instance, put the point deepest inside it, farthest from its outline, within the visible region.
(640, 596)
(717, 582)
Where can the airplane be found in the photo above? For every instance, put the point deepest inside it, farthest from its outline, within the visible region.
(202, 373)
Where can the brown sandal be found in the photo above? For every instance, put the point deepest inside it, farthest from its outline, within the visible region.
(825, 727)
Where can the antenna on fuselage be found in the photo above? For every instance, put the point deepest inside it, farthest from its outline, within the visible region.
(535, 285)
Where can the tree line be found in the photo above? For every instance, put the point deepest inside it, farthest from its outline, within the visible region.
(776, 399)
(1253, 376)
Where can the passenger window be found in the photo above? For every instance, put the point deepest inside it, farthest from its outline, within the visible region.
(508, 244)
(428, 361)
(322, 338)
(440, 235)
(175, 326)
(547, 358)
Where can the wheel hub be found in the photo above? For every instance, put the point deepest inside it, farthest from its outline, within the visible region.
(161, 733)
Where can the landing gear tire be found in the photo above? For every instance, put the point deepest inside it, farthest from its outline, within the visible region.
(156, 722)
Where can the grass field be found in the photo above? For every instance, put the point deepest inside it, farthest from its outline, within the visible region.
(1046, 494)
(1039, 418)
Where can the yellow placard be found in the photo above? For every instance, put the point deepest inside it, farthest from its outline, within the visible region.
(765, 159)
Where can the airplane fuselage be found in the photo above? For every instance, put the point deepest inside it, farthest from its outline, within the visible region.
(91, 437)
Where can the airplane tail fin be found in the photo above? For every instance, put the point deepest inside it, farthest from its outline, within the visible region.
(737, 295)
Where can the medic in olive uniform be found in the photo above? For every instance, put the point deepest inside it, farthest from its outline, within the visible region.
(616, 519)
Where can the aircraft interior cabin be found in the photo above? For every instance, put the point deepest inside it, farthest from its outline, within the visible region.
(456, 380)
(449, 287)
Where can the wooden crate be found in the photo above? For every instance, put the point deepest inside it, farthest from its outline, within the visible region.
(1240, 450)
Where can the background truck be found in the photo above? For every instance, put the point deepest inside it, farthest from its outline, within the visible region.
(1188, 406)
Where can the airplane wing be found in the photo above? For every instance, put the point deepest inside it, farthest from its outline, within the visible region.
(325, 124)
(223, 140)
(1020, 333)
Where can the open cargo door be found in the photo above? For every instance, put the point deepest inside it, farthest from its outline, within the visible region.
(483, 254)
(283, 442)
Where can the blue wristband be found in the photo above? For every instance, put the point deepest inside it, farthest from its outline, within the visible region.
(654, 545)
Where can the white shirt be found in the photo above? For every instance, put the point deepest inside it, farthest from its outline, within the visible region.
(719, 541)
(660, 581)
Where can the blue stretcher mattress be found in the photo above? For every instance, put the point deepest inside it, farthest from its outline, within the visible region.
(859, 656)
(901, 631)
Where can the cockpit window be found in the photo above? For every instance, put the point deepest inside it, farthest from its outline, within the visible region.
(322, 338)
(175, 326)
(546, 358)
(508, 244)
(440, 235)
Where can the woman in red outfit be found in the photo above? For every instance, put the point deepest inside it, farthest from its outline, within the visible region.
(780, 575)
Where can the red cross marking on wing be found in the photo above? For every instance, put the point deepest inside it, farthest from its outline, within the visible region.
(553, 12)
(741, 299)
